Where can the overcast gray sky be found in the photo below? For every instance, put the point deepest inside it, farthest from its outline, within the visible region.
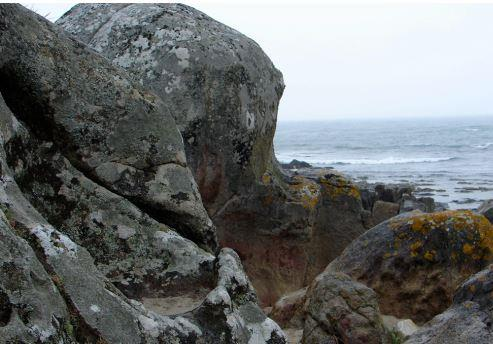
(367, 60)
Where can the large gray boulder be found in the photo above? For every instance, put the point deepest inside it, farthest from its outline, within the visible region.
(221, 88)
(223, 92)
(340, 310)
(115, 132)
(468, 320)
(86, 262)
(415, 261)
(140, 255)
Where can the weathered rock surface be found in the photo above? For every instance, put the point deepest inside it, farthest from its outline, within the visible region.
(415, 261)
(115, 132)
(288, 310)
(383, 211)
(468, 320)
(223, 92)
(486, 209)
(62, 128)
(340, 310)
(296, 164)
(399, 329)
(138, 254)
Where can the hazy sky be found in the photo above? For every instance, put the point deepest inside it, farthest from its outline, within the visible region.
(366, 60)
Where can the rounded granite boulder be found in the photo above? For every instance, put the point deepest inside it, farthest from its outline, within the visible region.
(415, 261)
(221, 88)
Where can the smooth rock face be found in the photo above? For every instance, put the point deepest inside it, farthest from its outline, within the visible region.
(115, 132)
(223, 92)
(340, 310)
(414, 262)
(468, 320)
(52, 288)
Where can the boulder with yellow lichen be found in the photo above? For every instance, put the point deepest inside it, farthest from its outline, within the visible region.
(287, 232)
(415, 261)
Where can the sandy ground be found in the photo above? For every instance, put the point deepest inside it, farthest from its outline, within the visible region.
(173, 305)
(294, 335)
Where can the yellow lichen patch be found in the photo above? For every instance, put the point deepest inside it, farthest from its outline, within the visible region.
(430, 255)
(485, 229)
(467, 248)
(337, 186)
(306, 191)
(414, 247)
(266, 178)
(469, 235)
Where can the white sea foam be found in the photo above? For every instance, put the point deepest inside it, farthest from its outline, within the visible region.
(485, 146)
(383, 161)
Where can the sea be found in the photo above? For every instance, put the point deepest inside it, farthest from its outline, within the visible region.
(449, 159)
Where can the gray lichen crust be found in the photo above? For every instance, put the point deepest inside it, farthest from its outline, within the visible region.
(221, 88)
(113, 130)
(223, 92)
(94, 193)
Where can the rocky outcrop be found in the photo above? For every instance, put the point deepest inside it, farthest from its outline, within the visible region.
(223, 92)
(111, 129)
(468, 320)
(415, 261)
(486, 209)
(296, 164)
(90, 205)
(383, 211)
(339, 310)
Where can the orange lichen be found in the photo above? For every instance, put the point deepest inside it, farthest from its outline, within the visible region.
(467, 248)
(306, 191)
(469, 234)
(415, 247)
(430, 255)
(337, 186)
(266, 178)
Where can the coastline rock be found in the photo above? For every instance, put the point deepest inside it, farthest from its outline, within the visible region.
(65, 295)
(296, 164)
(223, 92)
(115, 132)
(139, 255)
(340, 310)
(383, 211)
(219, 85)
(415, 261)
(468, 320)
(486, 209)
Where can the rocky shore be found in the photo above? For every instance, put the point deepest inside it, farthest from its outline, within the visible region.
(141, 201)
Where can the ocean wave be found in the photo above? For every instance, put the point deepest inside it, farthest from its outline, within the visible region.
(384, 161)
(485, 146)
(471, 129)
